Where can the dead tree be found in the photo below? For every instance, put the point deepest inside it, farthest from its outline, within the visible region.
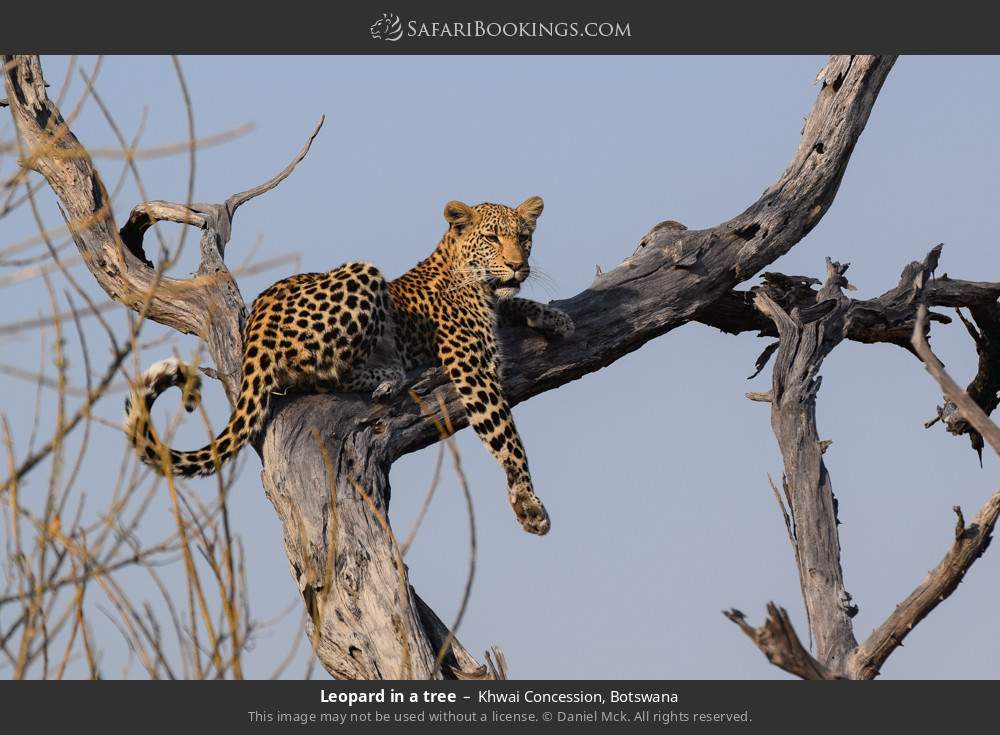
(809, 325)
(326, 459)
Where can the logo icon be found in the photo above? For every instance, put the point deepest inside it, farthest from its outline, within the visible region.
(387, 28)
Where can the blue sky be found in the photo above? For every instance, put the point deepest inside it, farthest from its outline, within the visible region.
(654, 469)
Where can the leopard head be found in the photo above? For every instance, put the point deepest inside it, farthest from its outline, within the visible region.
(493, 242)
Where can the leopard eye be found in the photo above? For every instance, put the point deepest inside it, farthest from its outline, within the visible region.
(491, 237)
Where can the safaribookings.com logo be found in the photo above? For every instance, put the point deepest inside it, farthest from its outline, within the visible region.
(390, 28)
(387, 28)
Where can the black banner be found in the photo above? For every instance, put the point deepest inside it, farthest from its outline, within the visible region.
(512, 27)
(689, 706)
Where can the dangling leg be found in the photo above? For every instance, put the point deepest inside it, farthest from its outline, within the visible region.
(468, 358)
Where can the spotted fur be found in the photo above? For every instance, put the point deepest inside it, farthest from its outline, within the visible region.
(351, 330)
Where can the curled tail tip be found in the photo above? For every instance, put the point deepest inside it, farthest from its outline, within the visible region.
(167, 366)
(172, 372)
(162, 375)
(156, 379)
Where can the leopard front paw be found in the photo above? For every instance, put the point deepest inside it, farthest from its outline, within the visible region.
(554, 322)
(528, 509)
(385, 390)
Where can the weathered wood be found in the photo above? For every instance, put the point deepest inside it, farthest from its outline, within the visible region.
(970, 541)
(969, 544)
(888, 318)
(971, 411)
(53, 150)
(366, 617)
(777, 640)
(803, 345)
(817, 322)
(984, 390)
(675, 273)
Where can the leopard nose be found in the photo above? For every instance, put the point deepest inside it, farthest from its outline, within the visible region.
(520, 269)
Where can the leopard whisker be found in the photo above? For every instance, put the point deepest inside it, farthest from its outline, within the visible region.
(543, 280)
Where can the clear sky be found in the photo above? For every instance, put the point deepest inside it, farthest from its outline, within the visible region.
(664, 437)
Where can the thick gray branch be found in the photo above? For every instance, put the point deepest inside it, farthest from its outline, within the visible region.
(675, 273)
(803, 345)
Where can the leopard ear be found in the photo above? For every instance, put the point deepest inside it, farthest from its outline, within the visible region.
(530, 209)
(458, 214)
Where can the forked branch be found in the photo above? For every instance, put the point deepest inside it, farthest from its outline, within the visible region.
(810, 497)
(970, 541)
(777, 640)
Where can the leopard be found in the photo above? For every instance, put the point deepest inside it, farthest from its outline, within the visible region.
(351, 330)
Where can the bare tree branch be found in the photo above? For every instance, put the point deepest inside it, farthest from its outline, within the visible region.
(984, 390)
(237, 200)
(971, 411)
(676, 273)
(803, 346)
(777, 640)
(888, 318)
(969, 544)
